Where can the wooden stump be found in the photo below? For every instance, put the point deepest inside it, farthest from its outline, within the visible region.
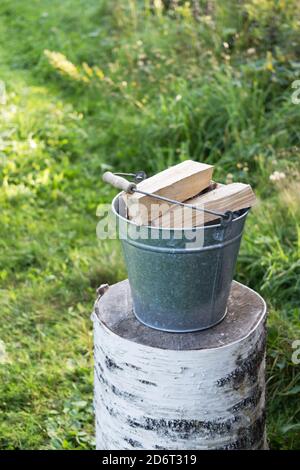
(157, 390)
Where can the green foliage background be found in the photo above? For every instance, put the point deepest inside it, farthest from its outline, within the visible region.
(127, 85)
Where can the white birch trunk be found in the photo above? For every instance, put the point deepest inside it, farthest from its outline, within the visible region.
(156, 390)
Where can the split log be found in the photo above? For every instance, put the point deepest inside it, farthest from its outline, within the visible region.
(231, 197)
(179, 182)
(157, 390)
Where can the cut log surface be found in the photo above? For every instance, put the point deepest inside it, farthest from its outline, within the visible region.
(179, 182)
(233, 197)
(157, 390)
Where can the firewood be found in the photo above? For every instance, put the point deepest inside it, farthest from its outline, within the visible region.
(234, 196)
(179, 182)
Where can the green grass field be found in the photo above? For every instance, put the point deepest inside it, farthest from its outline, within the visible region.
(93, 84)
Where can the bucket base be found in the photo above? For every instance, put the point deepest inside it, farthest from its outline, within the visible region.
(167, 330)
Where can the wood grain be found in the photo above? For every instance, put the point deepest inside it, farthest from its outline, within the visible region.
(233, 197)
(179, 182)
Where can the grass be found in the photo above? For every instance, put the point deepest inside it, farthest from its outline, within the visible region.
(91, 85)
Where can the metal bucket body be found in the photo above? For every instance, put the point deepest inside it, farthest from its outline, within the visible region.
(177, 284)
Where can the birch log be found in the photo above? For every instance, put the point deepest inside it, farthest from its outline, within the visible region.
(157, 390)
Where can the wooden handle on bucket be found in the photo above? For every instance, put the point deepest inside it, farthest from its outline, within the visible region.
(118, 182)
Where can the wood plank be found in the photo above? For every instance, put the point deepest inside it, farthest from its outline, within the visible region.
(234, 196)
(179, 182)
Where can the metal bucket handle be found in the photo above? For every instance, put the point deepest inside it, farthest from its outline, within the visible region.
(116, 180)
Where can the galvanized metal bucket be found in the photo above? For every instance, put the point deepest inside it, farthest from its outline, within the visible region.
(178, 285)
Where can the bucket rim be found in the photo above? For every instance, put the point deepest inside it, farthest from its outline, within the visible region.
(174, 229)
